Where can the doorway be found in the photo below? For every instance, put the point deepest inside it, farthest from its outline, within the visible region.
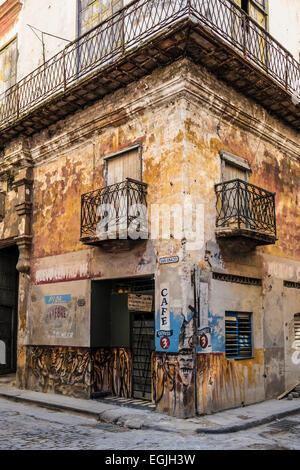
(122, 319)
(9, 278)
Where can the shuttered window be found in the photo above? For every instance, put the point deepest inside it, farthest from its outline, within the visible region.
(8, 66)
(238, 334)
(297, 327)
(232, 172)
(125, 165)
(257, 9)
(93, 12)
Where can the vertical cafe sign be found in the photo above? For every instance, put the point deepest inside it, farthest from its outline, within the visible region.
(164, 333)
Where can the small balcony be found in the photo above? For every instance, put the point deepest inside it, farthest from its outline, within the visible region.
(245, 215)
(115, 217)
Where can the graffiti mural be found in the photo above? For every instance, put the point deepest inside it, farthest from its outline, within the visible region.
(60, 370)
(223, 383)
(80, 371)
(102, 370)
(173, 375)
(112, 371)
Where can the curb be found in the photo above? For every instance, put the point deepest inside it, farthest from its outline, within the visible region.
(250, 424)
(50, 406)
(136, 422)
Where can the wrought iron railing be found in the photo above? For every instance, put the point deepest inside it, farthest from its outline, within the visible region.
(241, 205)
(115, 211)
(128, 28)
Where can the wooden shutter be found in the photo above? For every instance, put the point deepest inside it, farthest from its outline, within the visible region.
(8, 66)
(126, 165)
(232, 172)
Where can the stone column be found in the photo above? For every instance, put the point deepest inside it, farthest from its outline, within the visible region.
(23, 186)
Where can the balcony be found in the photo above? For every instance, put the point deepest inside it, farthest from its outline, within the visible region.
(245, 215)
(115, 216)
(146, 34)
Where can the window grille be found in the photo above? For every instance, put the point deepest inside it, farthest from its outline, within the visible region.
(238, 334)
(297, 327)
(250, 281)
(291, 284)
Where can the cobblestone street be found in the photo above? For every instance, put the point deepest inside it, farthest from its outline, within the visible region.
(27, 427)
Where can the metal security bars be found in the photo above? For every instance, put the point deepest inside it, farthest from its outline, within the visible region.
(111, 211)
(242, 205)
(128, 29)
(249, 281)
(238, 335)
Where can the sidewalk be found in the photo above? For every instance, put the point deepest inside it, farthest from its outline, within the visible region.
(223, 422)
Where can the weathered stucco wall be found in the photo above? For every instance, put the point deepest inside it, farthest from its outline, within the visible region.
(284, 24)
(10, 18)
(219, 119)
(49, 16)
(60, 314)
(227, 383)
(9, 224)
(182, 116)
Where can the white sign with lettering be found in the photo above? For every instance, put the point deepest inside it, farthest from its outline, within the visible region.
(140, 303)
(164, 308)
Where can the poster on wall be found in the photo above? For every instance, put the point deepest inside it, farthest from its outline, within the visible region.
(140, 303)
(58, 318)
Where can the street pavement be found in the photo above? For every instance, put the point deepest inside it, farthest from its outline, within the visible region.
(30, 427)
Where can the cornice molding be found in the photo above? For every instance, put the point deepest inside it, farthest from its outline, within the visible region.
(14, 162)
(182, 86)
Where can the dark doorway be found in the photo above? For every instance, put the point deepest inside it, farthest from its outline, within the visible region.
(8, 309)
(123, 317)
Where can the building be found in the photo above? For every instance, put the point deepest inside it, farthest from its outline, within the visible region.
(149, 199)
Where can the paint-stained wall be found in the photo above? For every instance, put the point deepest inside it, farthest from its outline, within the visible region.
(60, 314)
(182, 117)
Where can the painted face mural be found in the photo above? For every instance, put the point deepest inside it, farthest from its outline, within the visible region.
(186, 356)
(186, 367)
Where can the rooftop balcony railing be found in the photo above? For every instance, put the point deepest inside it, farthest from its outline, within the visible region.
(128, 29)
(246, 211)
(115, 212)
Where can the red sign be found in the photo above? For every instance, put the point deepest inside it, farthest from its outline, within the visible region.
(165, 342)
(203, 341)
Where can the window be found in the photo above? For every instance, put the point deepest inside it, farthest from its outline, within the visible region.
(93, 12)
(255, 38)
(238, 335)
(234, 167)
(257, 9)
(297, 327)
(124, 165)
(8, 66)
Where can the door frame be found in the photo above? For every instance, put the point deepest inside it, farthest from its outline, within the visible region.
(14, 311)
